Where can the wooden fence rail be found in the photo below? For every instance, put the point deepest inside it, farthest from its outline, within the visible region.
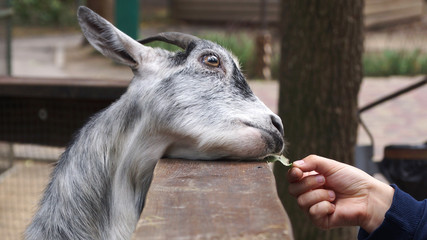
(213, 200)
(48, 111)
(187, 199)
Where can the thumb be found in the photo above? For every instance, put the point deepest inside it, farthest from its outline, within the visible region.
(321, 165)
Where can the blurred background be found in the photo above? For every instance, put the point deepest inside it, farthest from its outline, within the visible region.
(40, 39)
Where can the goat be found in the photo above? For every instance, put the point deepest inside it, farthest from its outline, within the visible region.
(192, 104)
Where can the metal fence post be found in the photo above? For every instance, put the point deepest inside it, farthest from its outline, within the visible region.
(127, 17)
(5, 20)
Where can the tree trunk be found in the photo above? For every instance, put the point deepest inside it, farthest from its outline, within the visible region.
(320, 76)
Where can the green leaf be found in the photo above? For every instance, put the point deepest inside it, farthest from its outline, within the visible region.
(280, 158)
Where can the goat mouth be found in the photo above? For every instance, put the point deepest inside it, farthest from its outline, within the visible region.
(273, 139)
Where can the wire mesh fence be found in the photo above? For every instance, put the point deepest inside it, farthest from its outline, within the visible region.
(24, 166)
(21, 186)
(38, 117)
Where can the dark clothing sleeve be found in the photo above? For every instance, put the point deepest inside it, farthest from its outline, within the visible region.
(406, 219)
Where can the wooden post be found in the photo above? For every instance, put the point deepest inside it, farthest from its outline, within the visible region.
(6, 13)
(263, 46)
(263, 55)
(213, 200)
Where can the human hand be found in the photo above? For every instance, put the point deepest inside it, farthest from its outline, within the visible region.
(335, 194)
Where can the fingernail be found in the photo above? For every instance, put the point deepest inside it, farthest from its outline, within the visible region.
(299, 163)
(331, 194)
(320, 179)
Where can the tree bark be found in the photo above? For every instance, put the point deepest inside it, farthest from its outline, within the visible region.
(320, 76)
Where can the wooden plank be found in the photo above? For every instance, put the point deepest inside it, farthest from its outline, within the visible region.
(45, 121)
(223, 2)
(392, 6)
(405, 153)
(48, 111)
(392, 17)
(249, 9)
(5, 80)
(213, 200)
(61, 88)
(377, 12)
(387, 2)
(224, 10)
(232, 17)
(225, 16)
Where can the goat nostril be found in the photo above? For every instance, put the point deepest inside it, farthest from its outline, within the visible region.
(277, 123)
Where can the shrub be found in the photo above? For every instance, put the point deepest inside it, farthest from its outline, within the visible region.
(242, 45)
(392, 62)
(44, 12)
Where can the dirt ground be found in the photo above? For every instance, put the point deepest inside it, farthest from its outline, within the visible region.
(20, 190)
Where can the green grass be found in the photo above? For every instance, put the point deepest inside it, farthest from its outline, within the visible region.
(392, 62)
(242, 45)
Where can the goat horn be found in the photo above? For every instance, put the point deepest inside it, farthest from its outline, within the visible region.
(181, 40)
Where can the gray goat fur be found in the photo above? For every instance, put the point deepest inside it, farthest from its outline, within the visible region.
(176, 106)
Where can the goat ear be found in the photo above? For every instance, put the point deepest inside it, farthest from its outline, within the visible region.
(109, 40)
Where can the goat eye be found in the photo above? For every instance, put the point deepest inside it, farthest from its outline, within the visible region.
(211, 60)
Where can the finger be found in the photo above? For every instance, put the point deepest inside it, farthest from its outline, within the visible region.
(294, 175)
(306, 174)
(320, 212)
(310, 198)
(306, 184)
(319, 164)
